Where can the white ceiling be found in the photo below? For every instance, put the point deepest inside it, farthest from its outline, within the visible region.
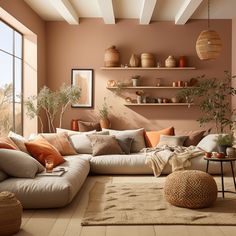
(130, 9)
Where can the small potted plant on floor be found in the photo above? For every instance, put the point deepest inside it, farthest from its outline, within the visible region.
(225, 141)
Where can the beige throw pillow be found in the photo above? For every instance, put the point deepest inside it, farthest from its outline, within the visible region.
(19, 164)
(60, 142)
(104, 145)
(137, 135)
(18, 140)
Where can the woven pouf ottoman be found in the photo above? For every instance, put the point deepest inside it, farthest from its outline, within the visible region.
(190, 189)
(10, 214)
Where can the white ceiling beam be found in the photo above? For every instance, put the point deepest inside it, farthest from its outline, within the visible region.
(66, 10)
(186, 11)
(106, 8)
(147, 11)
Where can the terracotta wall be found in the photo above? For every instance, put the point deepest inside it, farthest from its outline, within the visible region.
(23, 13)
(83, 46)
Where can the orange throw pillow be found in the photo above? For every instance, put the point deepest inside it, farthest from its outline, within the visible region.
(7, 143)
(41, 150)
(152, 138)
(60, 142)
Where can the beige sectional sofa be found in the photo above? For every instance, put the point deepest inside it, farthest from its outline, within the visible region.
(58, 191)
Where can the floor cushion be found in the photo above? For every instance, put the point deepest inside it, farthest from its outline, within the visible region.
(190, 189)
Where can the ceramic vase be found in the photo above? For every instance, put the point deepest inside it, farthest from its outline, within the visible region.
(170, 62)
(134, 61)
(182, 61)
(139, 99)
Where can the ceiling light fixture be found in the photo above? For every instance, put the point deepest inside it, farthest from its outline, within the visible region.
(208, 45)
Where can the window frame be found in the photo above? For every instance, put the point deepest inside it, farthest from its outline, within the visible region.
(13, 70)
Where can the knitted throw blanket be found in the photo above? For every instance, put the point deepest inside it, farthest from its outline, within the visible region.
(177, 156)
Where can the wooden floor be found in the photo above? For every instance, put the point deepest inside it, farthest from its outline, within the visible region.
(66, 221)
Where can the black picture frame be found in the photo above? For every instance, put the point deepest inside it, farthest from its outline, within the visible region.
(83, 78)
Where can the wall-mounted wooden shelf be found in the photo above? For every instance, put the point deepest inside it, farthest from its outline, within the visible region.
(159, 104)
(148, 68)
(148, 87)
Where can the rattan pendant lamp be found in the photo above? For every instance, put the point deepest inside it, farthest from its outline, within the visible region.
(208, 45)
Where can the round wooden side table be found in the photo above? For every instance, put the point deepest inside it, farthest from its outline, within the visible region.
(221, 161)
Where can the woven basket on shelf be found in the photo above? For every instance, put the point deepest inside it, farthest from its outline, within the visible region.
(10, 214)
(190, 189)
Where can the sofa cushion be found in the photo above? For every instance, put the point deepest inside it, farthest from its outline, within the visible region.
(104, 144)
(171, 140)
(41, 150)
(50, 191)
(7, 143)
(152, 138)
(18, 140)
(19, 164)
(81, 142)
(208, 143)
(60, 142)
(120, 164)
(135, 164)
(194, 137)
(85, 126)
(137, 135)
(3, 176)
(125, 144)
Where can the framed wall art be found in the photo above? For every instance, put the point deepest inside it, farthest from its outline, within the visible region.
(83, 78)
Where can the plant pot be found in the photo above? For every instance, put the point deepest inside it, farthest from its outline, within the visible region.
(135, 82)
(105, 123)
(230, 151)
(222, 148)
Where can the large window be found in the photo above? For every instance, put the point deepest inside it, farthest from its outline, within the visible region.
(11, 45)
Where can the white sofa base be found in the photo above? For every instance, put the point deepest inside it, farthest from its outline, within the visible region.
(135, 164)
(50, 191)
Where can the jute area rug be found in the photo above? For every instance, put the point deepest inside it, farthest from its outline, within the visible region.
(144, 204)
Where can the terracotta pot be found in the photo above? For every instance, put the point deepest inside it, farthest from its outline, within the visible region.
(105, 123)
(74, 125)
(112, 57)
(182, 61)
(134, 61)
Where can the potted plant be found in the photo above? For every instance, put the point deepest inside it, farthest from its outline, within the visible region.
(139, 96)
(103, 114)
(135, 80)
(224, 141)
(213, 96)
(51, 103)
